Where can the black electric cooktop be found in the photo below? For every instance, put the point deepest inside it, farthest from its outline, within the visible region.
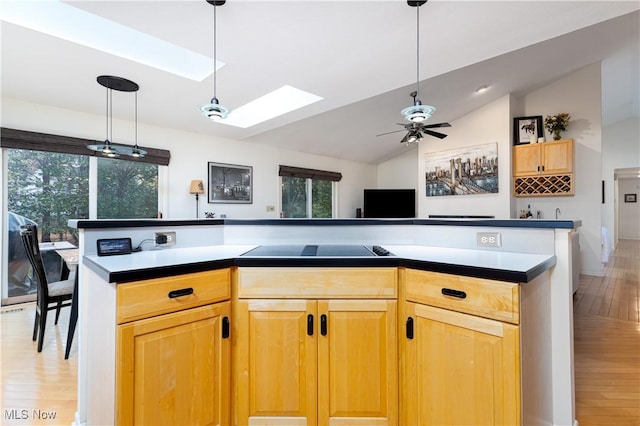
(320, 250)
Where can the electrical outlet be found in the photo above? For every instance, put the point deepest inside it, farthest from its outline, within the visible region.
(165, 238)
(271, 208)
(489, 239)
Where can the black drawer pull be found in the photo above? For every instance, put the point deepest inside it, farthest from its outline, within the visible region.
(225, 327)
(323, 324)
(179, 293)
(309, 325)
(454, 293)
(409, 328)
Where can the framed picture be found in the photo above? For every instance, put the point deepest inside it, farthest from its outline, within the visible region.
(462, 171)
(230, 183)
(630, 198)
(527, 129)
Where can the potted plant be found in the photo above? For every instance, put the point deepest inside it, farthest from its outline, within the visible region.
(556, 124)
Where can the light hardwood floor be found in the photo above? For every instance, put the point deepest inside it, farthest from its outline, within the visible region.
(607, 354)
(607, 342)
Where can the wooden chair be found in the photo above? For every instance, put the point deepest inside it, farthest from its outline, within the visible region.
(51, 295)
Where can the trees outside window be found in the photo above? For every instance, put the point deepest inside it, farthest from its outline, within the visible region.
(49, 188)
(306, 197)
(127, 189)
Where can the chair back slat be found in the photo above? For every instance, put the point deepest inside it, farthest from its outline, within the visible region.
(29, 235)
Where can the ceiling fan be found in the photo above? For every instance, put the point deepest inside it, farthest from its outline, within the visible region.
(415, 129)
(417, 113)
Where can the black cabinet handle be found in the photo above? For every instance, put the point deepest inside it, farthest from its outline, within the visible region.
(179, 293)
(454, 293)
(323, 324)
(225, 327)
(409, 328)
(543, 168)
(309, 325)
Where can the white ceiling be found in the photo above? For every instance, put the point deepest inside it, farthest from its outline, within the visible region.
(360, 56)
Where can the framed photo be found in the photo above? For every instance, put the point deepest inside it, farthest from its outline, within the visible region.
(230, 183)
(630, 198)
(527, 129)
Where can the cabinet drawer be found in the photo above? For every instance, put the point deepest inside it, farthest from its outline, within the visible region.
(486, 298)
(296, 283)
(143, 299)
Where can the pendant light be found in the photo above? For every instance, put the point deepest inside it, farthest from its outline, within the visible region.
(214, 110)
(108, 148)
(417, 113)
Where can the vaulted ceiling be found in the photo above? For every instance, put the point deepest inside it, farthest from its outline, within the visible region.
(359, 56)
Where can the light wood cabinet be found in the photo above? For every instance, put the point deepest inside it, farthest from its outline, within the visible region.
(459, 365)
(543, 169)
(543, 158)
(174, 367)
(316, 361)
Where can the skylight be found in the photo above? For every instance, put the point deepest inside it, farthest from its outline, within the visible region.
(69, 23)
(271, 105)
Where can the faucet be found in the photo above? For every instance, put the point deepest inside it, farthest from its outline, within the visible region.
(558, 212)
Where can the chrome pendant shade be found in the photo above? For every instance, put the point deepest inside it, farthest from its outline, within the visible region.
(213, 110)
(108, 148)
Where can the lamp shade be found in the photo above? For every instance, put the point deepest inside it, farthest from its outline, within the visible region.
(197, 187)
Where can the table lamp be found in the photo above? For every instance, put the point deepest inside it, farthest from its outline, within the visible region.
(197, 187)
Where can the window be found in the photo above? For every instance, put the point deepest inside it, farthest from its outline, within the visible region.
(127, 189)
(307, 193)
(48, 184)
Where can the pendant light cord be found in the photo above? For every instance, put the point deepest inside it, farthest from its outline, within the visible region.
(417, 53)
(136, 118)
(215, 62)
(110, 113)
(106, 114)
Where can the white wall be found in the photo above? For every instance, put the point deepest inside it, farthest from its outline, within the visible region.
(629, 213)
(620, 150)
(488, 124)
(400, 172)
(190, 153)
(579, 95)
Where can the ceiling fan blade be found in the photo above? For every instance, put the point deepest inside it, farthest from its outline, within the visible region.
(432, 126)
(435, 134)
(388, 133)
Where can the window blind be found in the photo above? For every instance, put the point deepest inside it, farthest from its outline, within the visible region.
(309, 173)
(22, 139)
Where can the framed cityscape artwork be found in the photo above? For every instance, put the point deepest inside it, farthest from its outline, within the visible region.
(463, 171)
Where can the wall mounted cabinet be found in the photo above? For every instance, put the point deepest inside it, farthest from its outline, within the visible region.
(543, 169)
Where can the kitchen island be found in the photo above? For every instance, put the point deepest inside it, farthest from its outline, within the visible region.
(527, 279)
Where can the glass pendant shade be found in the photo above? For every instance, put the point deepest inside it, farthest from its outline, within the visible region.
(214, 110)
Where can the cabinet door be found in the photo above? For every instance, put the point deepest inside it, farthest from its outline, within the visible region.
(460, 369)
(174, 369)
(526, 160)
(557, 157)
(276, 355)
(357, 363)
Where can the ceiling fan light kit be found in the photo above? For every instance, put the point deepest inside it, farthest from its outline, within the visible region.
(213, 110)
(108, 148)
(417, 114)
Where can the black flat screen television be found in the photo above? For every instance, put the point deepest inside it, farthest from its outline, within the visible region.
(391, 203)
